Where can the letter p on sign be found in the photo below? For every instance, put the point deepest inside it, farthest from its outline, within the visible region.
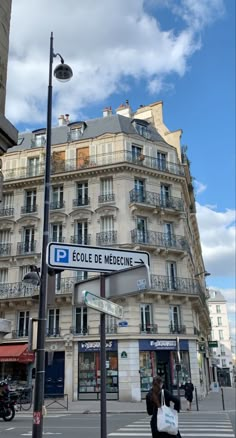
(61, 255)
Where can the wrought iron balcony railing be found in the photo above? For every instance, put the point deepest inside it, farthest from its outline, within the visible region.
(27, 209)
(182, 285)
(57, 205)
(155, 200)
(17, 290)
(26, 247)
(81, 240)
(95, 161)
(4, 212)
(110, 329)
(177, 328)
(108, 197)
(81, 202)
(56, 239)
(5, 249)
(148, 328)
(106, 238)
(20, 333)
(154, 238)
(53, 332)
(79, 331)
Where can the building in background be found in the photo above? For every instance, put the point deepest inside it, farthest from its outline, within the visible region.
(222, 355)
(121, 180)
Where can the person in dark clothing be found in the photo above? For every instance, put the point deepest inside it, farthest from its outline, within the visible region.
(153, 402)
(189, 388)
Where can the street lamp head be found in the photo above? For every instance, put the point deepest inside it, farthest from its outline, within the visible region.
(63, 72)
(32, 278)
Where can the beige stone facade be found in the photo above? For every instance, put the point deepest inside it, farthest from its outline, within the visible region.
(119, 181)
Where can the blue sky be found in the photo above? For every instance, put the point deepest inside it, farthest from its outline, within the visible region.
(179, 51)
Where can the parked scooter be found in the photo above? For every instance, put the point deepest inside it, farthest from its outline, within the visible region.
(7, 405)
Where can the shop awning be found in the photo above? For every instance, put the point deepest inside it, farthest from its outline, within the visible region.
(16, 353)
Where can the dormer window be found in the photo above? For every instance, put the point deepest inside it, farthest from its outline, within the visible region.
(76, 130)
(39, 138)
(141, 127)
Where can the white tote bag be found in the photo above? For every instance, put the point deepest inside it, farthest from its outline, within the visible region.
(167, 418)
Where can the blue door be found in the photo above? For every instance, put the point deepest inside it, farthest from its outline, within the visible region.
(54, 373)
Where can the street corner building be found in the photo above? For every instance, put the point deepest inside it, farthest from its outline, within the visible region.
(121, 181)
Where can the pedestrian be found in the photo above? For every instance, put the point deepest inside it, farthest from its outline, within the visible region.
(153, 402)
(189, 388)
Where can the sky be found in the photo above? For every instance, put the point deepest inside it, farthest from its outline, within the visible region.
(179, 51)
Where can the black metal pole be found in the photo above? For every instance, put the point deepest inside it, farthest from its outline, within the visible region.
(37, 430)
(196, 397)
(103, 362)
(223, 400)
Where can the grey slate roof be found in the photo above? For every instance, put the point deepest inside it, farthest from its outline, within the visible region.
(216, 296)
(113, 124)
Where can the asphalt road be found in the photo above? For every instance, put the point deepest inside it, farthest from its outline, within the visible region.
(198, 425)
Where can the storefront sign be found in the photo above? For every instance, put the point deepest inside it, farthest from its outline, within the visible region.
(95, 346)
(123, 355)
(212, 344)
(161, 344)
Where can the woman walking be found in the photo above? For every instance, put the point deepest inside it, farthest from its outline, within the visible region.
(153, 401)
(189, 388)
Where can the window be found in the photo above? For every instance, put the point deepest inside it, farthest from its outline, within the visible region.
(139, 187)
(146, 318)
(81, 275)
(222, 349)
(221, 334)
(81, 320)
(219, 320)
(30, 201)
(82, 194)
(58, 281)
(57, 197)
(224, 364)
(53, 322)
(56, 232)
(23, 271)
(75, 134)
(39, 140)
(218, 308)
(107, 224)
(171, 269)
(81, 233)
(23, 323)
(28, 240)
(3, 275)
(142, 129)
(111, 324)
(175, 321)
(107, 234)
(5, 237)
(33, 166)
(161, 160)
(8, 200)
(106, 190)
(142, 235)
(136, 153)
(169, 238)
(165, 195)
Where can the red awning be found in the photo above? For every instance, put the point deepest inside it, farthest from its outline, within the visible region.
(16, 353)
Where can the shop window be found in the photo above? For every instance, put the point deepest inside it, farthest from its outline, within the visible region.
(184, 375)
(148, 366)
(90, 374)
(23, 323)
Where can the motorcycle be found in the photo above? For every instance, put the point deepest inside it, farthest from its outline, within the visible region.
(7, 404)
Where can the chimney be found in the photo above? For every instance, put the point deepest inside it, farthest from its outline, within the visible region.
(61, 120)
(107, 111)
(124, 109)
(67, 120)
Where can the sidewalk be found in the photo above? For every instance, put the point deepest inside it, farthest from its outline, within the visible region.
(212, 403)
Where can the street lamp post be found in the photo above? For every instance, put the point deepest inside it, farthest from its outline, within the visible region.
(63, 73)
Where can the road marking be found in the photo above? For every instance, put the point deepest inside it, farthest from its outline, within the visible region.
(10, 428)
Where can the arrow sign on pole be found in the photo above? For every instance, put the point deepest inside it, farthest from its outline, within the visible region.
(102, 305)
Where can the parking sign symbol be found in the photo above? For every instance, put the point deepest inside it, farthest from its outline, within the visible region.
(61, 255)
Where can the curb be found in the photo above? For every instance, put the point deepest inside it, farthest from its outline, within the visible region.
(86, 412)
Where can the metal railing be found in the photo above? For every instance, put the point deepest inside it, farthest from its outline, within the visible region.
(80, 239)
(156, 200)
(155, 238)
(57, 239)
(17, 290)
(81, 202)
(94, 161)
(26, 247)
(56, 205)
(54, 332)
(106, 237)
(66, 286)
(5, 249)
(178, 284)
(6, 212)
(148, 328)
(27, 209)
(109, 197)
(79, 331)
(177, 328)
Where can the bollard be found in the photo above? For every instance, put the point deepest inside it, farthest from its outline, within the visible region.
(196, 397)
(223, 400)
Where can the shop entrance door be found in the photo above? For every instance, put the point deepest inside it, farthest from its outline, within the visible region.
(163, 368)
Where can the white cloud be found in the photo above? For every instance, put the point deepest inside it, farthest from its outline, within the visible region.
(217, 231)
(108, 44)
(199, 187)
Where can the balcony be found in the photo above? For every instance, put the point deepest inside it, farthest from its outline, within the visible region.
(160, 240)
(178, 329)
(148, 328)
(57, 205)
(155, 200)
(53, 332)
(6, 212)
(19, 334)
(28, 209)
(57, 239)
(99, 160)
(66, 286)
(76, 331)
(26, 247)
(5, 249)
(81, 240)
(163, 283)
(81, 202)
(9, 291)
(106, 238)
(108, 197)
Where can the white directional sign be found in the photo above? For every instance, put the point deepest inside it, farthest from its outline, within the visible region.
(93, 258)
(102, 305)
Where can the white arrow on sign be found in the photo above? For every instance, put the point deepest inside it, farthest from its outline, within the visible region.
(93, 258)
